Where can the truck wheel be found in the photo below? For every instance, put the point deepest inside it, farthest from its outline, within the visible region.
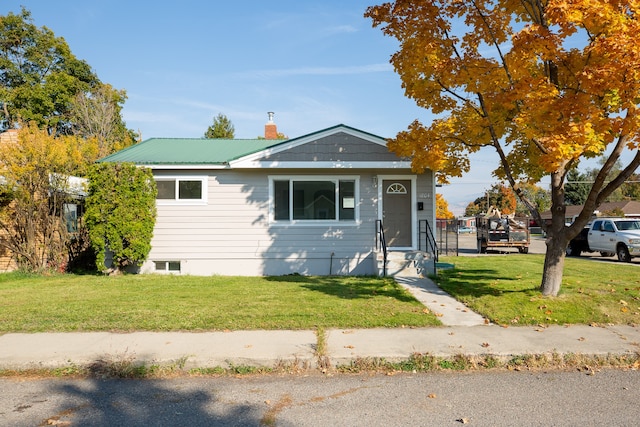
(623, 254)
(523, 250)
(572, 250)
(482, 248)
(607, 254)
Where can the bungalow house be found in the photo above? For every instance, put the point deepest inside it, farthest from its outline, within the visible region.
(319, 204)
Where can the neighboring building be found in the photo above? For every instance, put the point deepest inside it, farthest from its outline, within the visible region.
(630, 208)
(75, 187)
(467, 221)
(309, 205)
(10, 135)
(6, 257)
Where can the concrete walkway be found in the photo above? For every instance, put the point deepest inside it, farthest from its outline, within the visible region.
(450, 311)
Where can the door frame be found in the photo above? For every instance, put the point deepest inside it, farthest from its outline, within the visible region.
(413, 178)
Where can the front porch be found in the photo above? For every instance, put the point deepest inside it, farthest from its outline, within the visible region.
(408, 263)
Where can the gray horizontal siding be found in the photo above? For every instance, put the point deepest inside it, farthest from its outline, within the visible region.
(232, 234)
(339, 147)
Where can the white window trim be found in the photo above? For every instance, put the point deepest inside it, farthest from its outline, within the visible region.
(315, 222)
(184, 202)
(166, 270)
(414, 189)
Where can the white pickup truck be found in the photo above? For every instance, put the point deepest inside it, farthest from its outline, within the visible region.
(620, 236)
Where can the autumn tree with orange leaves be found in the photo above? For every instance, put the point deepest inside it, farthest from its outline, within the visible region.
(442, 208)
(498, 196)
(545, 83)
(36, 185)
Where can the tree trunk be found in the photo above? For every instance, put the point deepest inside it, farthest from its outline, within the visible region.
(557, 239)
(553, 267)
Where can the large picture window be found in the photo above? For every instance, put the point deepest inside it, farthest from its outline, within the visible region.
(314, 199)
(181, 189)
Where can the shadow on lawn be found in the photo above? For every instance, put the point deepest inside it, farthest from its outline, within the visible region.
(350, 287)
(480, 282)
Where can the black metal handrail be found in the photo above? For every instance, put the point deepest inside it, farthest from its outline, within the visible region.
(381, 243)
(429, 239)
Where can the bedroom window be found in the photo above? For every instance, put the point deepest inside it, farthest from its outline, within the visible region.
(181, 189)
(314, 199)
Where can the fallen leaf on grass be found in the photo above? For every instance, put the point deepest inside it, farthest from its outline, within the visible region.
(432, 396)
(485, 344)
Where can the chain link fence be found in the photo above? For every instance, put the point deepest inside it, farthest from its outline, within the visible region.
(447, 236)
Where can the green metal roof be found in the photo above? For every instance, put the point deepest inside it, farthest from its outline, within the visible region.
(203, 151)
(184, 151)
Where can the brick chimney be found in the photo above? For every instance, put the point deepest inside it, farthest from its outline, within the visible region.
(270, 129)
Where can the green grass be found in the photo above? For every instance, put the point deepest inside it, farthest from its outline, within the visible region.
(505, 289)
(64, 303)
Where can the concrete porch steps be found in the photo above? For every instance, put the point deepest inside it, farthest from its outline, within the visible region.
(406, 263)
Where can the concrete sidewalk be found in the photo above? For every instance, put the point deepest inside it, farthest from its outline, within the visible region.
(270, 348)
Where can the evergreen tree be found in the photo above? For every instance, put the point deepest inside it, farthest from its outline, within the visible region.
(222, 128)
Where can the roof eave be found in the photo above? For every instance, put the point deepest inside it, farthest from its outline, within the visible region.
(243, 164)
(184, 166)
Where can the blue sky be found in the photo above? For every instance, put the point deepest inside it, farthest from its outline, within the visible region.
(316, 64)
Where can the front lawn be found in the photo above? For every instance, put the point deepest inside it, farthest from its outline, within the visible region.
(505, 289)
(64, 303)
